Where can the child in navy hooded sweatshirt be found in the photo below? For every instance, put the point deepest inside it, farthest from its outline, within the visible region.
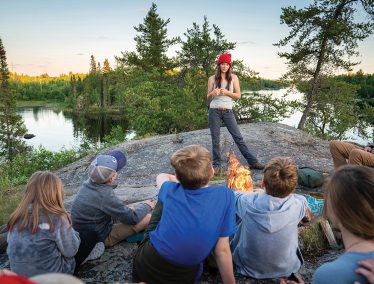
(265, 244)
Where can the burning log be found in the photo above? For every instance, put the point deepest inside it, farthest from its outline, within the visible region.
(238, 176)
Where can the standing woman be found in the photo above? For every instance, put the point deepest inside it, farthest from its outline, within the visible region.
(223, 87)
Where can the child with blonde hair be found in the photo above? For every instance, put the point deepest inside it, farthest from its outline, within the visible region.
(265, 244)
(41, 238)
(195, 219)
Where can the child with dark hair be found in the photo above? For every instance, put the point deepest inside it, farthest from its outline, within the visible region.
(265, 244)
(193, 219)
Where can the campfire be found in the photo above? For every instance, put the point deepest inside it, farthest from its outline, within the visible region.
(238, 176)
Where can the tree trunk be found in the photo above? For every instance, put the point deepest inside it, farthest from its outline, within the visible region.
(312, 93)
(102, 98)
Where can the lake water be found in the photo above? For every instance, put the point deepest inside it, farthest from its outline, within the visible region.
(294, 119)
(56, 130)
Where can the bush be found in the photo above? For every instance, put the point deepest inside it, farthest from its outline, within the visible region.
(116, 136)
(25, 164)
(22, 167)
(9, 200)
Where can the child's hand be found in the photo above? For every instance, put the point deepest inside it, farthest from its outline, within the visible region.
(258, 190)
(366, 269)
(296, 279)
(308, 214)
(151, 204)
(367, 149)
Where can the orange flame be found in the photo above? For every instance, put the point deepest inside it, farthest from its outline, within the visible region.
(238, 176)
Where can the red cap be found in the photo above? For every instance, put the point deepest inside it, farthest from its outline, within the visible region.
(224, 58)
(15, 279)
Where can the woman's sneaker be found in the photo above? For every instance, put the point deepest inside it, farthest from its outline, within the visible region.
(96, 252)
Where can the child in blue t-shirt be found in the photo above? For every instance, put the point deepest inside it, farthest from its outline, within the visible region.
(191, 219)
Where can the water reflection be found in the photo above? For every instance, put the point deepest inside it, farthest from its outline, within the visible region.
(94, 127)
(55, 129)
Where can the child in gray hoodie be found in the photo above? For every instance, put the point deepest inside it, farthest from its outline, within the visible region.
(96, 207)
(41, 238)
(265, 244)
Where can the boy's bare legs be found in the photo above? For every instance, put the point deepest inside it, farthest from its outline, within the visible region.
(122, 231)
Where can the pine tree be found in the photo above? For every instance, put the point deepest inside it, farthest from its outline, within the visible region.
(323, 37)
(106, 67)
(201, 49)
(92, 85)
(106, 73)
(92, 64)
(11, 123)
(151, 44)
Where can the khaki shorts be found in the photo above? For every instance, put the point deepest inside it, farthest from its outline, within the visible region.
(118, 233)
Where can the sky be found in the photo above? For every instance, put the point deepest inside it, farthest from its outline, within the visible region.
(59, 36)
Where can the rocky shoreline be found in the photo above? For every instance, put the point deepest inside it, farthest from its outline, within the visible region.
(150, 156)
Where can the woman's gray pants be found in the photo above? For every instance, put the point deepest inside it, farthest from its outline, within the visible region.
(227, 115)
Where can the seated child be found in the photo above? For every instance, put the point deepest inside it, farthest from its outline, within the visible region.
(41, 238)
(196, 218)
(350, 207)
(96, 206)
(265, 244)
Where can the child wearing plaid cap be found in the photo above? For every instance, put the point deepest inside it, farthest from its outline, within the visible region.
(96, 206)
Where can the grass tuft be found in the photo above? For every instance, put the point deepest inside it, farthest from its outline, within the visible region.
(314, 242)
(9, 200)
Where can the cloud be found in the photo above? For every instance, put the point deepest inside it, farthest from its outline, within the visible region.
(246, 42)
(102, 38)
(80, 54)
(23, 65)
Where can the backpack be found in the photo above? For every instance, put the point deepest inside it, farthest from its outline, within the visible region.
(310, 177)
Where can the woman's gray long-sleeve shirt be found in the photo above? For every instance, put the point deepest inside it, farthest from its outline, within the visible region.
(44, 251)
(96, 205)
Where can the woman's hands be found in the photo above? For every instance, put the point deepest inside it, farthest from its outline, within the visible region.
(224, 92)
(220, 92)
(215, 92)
(211, 93)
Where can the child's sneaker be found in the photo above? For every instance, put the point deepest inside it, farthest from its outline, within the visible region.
(136, 238)
(96, 252)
